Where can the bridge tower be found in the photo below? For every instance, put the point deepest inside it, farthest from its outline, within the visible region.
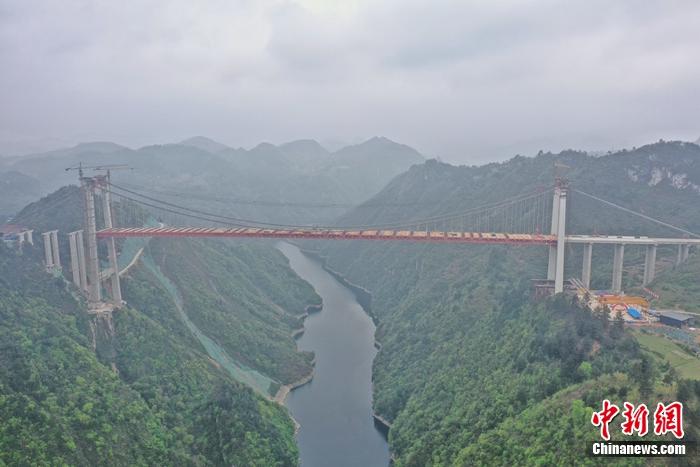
(555, 268)
(94, 290)
(90, 187)
(111, 248)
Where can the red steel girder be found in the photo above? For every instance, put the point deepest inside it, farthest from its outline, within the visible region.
(336, 234)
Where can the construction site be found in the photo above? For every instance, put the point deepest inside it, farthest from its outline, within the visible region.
(633, 309)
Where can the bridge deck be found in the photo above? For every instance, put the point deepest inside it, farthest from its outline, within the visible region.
(628, 240)
(395, 235)
(434, 236)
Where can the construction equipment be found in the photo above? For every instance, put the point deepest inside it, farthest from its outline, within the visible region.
(107, 167)
(627, 300)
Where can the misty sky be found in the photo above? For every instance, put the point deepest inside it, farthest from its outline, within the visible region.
(466, 81)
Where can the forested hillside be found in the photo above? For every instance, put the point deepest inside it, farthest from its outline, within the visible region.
(679, 287)
(466, 359)
(141, 389)
(17, 190)
(168, 404)
(245, 297)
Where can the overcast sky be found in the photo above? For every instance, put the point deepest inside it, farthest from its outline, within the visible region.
(466, 81)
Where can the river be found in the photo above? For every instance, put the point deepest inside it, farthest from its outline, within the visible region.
(335, 409)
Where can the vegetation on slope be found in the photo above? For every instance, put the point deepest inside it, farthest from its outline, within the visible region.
(137, 390)
(169, 404)
(679, 287)
(198, 401)
(557, 431)
(16, 190)
(58, 403)
(464, 355)
(245, 297)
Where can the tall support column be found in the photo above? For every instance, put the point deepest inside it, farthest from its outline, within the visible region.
(81, 260)
(48, 255)
(551, 267)
(30, 237)
(54, 248)
(618, 260)
(683, 253)
(561, 246)
(587, 256)
(650, 264)
(93, 271)
(74, 263)
(111, 248)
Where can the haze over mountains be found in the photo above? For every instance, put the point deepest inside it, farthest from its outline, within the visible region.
(297, 172)
(457, 328)
(326, 237)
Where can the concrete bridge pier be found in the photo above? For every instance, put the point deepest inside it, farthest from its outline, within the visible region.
(54, 249)
(48, 254)
(81, 260)
(683, 253)
(650, 265)
(74, 265)
(51, 255)
(587, 256)
(77, 259)
(618, 260)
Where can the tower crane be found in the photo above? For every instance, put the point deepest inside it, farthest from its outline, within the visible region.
(106, 167)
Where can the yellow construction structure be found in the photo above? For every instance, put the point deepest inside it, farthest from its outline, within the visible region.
(628, 300)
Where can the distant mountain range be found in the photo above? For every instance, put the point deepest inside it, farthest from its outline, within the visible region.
(204, 143)
(288, 182)
(298, 172)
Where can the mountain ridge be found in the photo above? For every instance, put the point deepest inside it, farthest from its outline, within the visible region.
(441, 308)
(202, 142)
(300, 172)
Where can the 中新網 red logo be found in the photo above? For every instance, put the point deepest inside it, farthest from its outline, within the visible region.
(668, 418)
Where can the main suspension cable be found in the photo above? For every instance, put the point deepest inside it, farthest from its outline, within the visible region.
(269, 203)
(638, 214)
(251, 222)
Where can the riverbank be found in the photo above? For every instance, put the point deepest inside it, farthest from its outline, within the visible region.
(281, 396)
(335, 412)
(364, 298)
(308, 310)
(383, 421)
(285, 389)
(362, 295)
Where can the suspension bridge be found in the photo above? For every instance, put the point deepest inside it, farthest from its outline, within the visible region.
(532, 219)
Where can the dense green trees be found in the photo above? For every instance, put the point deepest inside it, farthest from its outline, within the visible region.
(245, 297)
(58, 403)
(471, 372)
(78, 390)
